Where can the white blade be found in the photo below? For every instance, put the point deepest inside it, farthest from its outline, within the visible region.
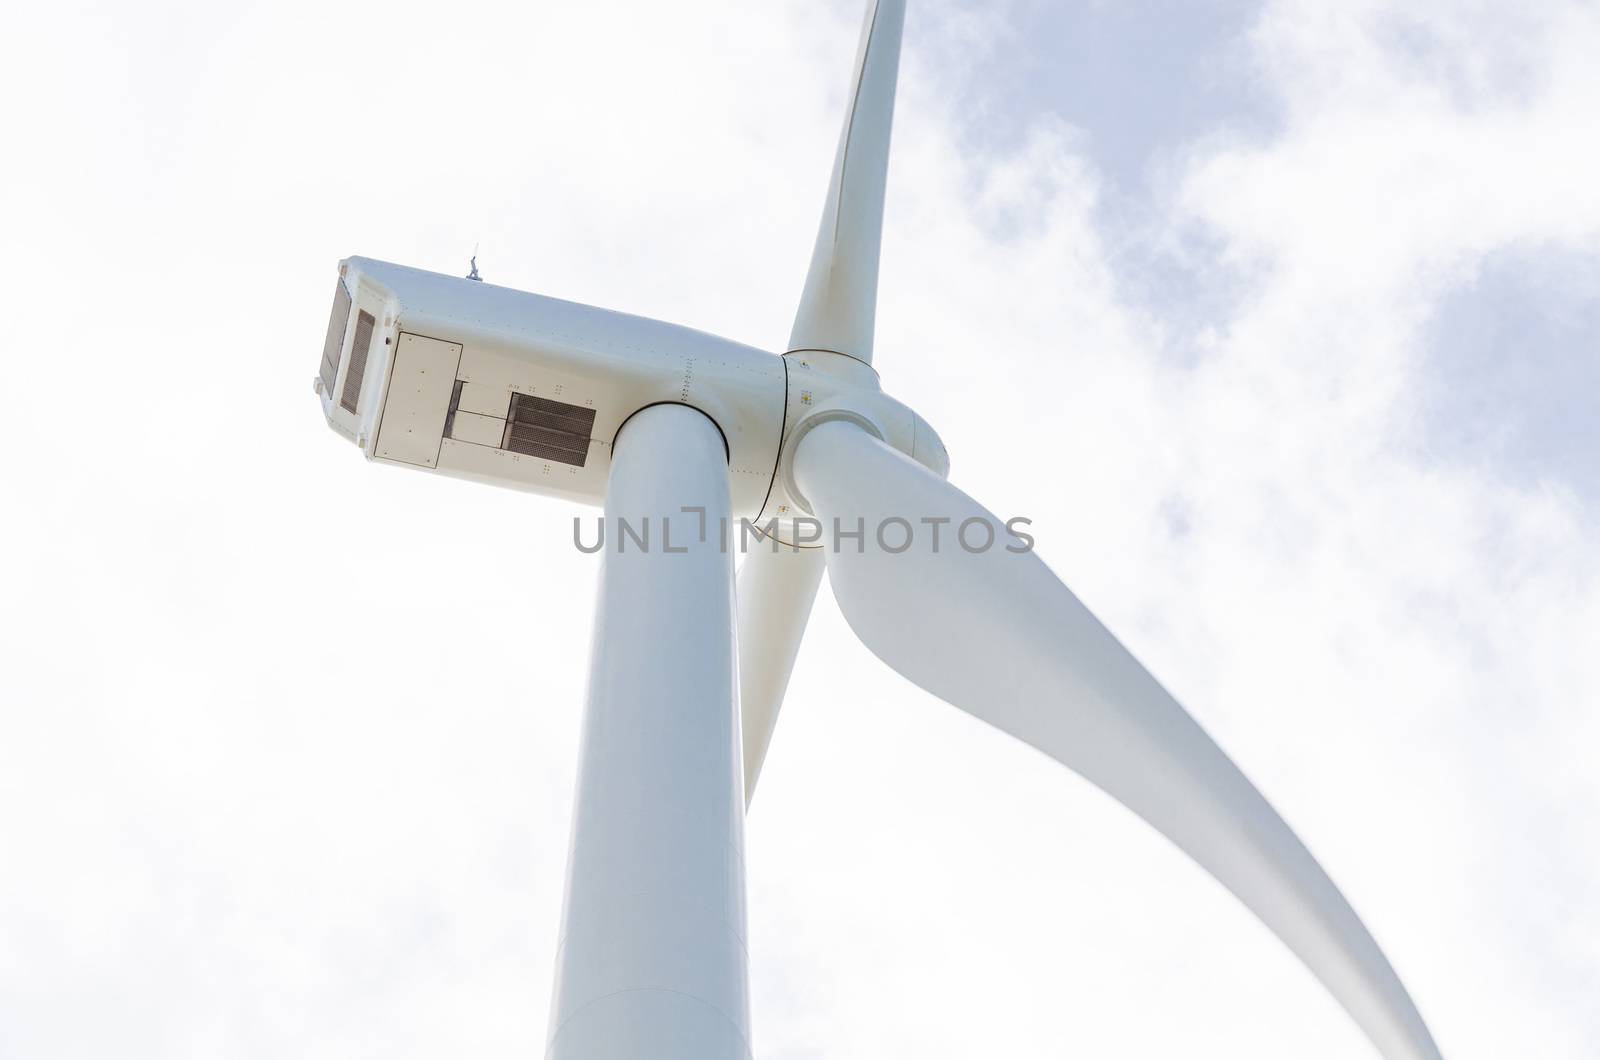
(997, 634)
(775, 593)
(841, 293)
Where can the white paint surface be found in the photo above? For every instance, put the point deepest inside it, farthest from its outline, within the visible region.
(777, 587)
(417, 400)
(652, 953)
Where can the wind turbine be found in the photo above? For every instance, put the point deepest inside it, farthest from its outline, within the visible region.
(683, 431)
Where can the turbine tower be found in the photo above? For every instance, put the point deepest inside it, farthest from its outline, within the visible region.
(678, 434)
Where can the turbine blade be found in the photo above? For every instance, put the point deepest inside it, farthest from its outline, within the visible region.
(997, 634)
(775, 593)
(839, 303)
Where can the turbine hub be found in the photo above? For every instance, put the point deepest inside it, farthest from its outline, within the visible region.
(825, 386)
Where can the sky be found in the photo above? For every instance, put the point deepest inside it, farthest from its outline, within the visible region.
(1277, 318)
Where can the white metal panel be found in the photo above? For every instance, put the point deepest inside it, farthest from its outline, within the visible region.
(484, 400)
(420, 384)
(481, 430)
(501, 467)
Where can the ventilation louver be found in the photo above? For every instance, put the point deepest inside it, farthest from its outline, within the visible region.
(358, 361)
(548, 429)
(455, 406)
(335, 340)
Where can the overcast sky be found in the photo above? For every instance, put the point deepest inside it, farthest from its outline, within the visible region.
(1278, 319)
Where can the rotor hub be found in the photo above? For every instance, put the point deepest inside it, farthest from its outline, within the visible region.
(827, 387)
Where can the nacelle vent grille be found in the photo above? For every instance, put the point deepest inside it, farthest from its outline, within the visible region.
(550, 430)
(353, 375)
(337, 322)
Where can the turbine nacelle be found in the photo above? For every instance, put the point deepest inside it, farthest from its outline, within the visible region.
(467, 379)
(464, 378)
